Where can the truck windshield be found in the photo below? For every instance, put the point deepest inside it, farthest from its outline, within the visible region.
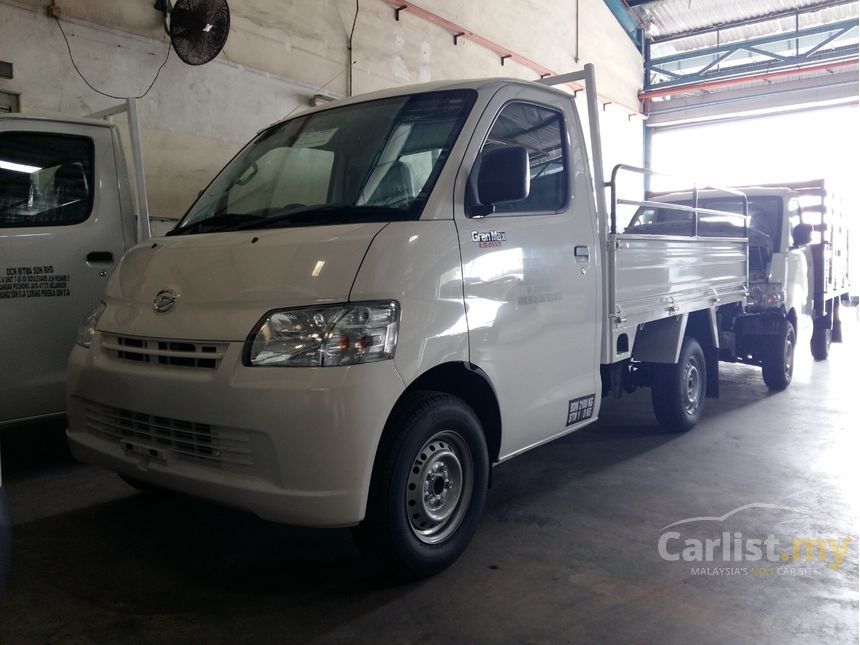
(765, 213)
(368, 162)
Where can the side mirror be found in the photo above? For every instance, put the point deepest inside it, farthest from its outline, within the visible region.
(504, 176)
(802, 234)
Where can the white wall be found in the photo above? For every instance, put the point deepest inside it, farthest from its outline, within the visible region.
(279, 54)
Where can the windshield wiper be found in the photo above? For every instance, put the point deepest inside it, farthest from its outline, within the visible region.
(222, 222)
(302, 216)
(327, 214)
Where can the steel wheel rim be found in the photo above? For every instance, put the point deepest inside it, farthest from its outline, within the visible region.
(692, 386)
(439, 487)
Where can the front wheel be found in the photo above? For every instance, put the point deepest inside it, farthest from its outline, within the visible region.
(429, 486)
(778, 365)
(678, 391)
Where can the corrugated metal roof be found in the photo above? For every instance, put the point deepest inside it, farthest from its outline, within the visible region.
(663, 18)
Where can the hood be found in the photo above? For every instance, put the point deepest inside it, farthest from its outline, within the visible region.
(224, 282)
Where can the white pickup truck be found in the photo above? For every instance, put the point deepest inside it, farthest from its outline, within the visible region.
(68, 212)
(799, 267)
(376, 301)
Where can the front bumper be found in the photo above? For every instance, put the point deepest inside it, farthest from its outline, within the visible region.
(293, 445)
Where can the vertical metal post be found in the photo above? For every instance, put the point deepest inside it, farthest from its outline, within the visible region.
(602, 218)
(695, 231)
(596, 149)
(796, 29)
(143, 225)
(647, 144)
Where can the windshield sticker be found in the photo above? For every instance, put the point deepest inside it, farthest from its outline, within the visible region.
(489, 239)
(580, 409)
(33, 282)
(314, 138)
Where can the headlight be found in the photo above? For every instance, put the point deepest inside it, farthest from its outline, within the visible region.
(767, 295)
(345, 334)
(88, 328)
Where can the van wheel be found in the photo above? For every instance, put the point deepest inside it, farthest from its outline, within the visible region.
(820, 343)
(428, 488)
(678, 391)
(778, 366)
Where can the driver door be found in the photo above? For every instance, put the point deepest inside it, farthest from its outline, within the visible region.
(530, 272)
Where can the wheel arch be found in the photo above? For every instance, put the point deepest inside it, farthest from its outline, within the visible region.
(702, 325)
(468, 382)
(791, 316)
(660, 342)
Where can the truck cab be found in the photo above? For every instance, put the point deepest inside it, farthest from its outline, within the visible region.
(67, 215)
(64, 201)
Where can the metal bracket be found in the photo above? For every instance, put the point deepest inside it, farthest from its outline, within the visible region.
(714, 296)
(458, 35)
(503, 57)
(397, 11)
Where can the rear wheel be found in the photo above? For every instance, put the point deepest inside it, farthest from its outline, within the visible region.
(678, 391)
(429, 486)
(778, 366)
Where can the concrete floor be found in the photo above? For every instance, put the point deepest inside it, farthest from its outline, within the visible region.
(567, 551)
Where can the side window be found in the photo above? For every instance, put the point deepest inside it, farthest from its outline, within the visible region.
(541, 132)
(45, 179)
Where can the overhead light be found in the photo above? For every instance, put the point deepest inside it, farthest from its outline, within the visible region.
(18, 167)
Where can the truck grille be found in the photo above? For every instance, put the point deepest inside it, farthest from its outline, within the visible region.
(164, 352)
(197, 441)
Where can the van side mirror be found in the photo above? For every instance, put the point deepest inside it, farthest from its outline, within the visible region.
(504, 176)
(802, 234)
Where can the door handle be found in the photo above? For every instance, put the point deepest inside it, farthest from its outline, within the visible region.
(581, 252)
(100, 257)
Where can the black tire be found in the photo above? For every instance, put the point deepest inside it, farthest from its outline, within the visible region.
(435, 444)
(678, 391)
(778, 366)
(820, 343)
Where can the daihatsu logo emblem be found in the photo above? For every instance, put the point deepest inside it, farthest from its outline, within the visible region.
(164, 300)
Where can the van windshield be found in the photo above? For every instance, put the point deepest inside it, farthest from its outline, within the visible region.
(368, 162)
